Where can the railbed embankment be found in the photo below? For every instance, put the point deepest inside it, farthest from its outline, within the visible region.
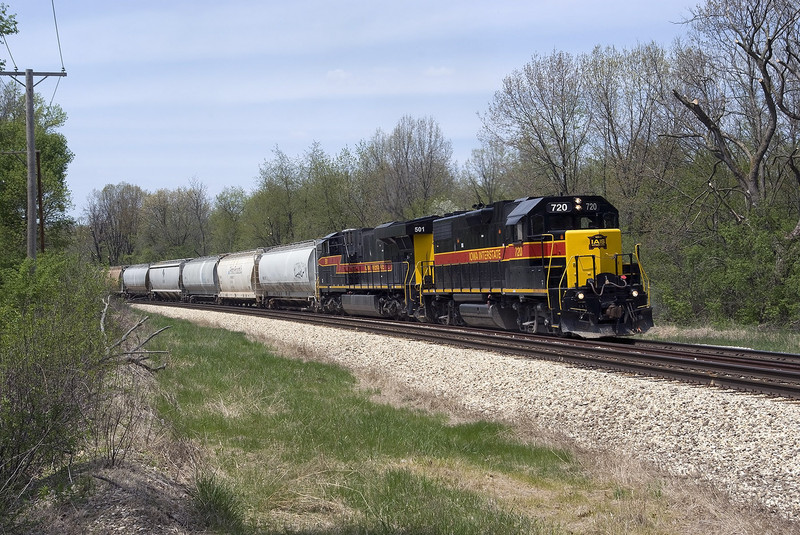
(744, 444)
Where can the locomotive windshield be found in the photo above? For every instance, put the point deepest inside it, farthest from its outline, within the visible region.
(577, 214)
(534, 218)
(576, 221)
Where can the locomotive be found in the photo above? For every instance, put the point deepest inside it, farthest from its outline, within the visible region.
(549, 265)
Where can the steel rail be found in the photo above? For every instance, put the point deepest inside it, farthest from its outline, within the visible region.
(775, 374)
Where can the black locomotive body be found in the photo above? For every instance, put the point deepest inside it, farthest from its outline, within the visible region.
(374, 271)
(543, 265)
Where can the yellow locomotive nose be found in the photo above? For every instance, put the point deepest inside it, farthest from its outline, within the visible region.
(590, 252)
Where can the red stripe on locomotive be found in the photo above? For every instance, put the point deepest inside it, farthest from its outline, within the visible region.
(358, 267)
(527, 251)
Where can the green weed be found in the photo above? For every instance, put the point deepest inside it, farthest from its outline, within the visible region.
(217, 505)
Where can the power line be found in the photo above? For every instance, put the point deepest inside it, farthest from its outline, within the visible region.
(5, 40)
(60, 54)
(58, 38)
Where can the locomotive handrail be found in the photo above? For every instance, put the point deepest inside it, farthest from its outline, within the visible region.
(422, 266)
(549, 267)
(645, 278)
(562, 289)
(406, 282)
(427, 267)
(619, 268)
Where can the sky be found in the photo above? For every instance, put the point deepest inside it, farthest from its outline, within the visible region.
(159, 93)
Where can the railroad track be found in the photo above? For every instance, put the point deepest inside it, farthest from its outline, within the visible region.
(775, 374)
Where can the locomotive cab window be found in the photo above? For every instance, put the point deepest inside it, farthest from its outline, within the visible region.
(532, 227)
(535, 225)
(589, 222)
(560, 222)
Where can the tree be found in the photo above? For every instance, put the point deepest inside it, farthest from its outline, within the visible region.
(728, 73)
(371, 176)
(323, 193)
(488, 173)
(55, 158)
(174, 223)
(199, 206)
(542, 113)
(113, 216)
(733, 94)
(410, 167)
(225, 219)
(631, 160)
(276, 201)
(363, 207)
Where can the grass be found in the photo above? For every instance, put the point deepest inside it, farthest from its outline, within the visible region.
(762, 339)
(297, 447)
(218, 505)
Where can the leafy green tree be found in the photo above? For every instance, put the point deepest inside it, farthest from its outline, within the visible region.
(55, 158)
(226, 220)
(272, 211)
(260, 227)
(362, 207)
(323, 195)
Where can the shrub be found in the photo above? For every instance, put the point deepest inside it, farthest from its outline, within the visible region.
(51, 349)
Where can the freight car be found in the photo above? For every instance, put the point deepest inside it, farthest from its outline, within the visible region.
(115, 279)
(237, 274)
(135, 280)
(552, 265)
(166, 280)
(200, 279)
(287, 276)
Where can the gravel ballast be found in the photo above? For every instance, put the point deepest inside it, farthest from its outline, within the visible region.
(745, 444)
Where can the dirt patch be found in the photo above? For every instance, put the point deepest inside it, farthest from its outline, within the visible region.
(132, 498)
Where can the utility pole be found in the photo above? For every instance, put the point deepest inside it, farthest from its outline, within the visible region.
(38, 191)
(29, 131)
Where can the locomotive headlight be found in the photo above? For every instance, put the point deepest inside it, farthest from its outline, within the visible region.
(580, 296)
(635, 293)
